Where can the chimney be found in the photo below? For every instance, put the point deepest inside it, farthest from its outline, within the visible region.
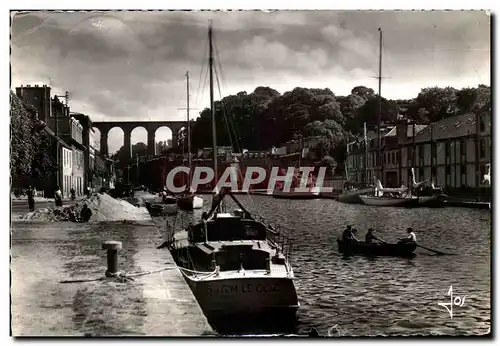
(402, 131)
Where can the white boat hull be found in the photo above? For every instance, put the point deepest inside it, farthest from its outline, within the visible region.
(244, 294)
(387, 201)
(353, 195)
(311, 194)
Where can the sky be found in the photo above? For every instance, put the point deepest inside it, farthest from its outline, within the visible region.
(126, 66)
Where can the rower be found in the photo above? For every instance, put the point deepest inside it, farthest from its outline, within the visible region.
(346, 233)
(353, 238)
(411, 236)
(370, 237)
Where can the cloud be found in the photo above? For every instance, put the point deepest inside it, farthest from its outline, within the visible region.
(129, 65)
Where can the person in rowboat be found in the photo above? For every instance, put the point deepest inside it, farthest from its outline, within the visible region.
(348, 235)
(370, 237)
(412, 238)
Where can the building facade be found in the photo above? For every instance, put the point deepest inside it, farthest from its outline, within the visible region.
(71, 133)
(454, 152)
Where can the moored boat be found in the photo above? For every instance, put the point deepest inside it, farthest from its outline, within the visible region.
(237, 265)
(313, 193)
(353, 196)
(169, 199)
(376, 249)
(234, 264)
(389, 201)
(436, 201)
(190, 202)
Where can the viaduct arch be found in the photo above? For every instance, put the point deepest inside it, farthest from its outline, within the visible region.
(127, 128)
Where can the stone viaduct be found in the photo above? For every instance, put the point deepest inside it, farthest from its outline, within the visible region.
(128, 126)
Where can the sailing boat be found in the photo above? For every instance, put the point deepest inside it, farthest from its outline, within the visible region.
(430, 195)
(397, 197)
(189, 201)
(234, 264)
(350, 194)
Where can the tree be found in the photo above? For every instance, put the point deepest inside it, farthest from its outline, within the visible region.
(349, 106)
(44, 166)
(138, 149)
(363, 92)
(264, 118)
(329, 163)
(25, 138)
(440, 103)
(368, 113)
(472, 99)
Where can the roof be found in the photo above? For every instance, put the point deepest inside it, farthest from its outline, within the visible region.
(409, 132)
(452, 127)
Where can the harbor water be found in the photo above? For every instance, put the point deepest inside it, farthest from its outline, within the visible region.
(380, 296)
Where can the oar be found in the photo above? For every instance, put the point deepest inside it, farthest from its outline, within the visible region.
(437, 252)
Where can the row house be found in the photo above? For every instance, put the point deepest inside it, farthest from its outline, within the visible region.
(71, 134)
(455, 152)
(362, 162)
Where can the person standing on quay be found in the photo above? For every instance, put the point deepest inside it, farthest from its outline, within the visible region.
(31, 198)
(58, 197)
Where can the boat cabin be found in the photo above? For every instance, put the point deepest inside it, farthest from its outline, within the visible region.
(233, 242)
(227, 227)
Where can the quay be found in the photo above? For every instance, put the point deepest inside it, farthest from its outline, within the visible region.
(59, 286)
(467, 204)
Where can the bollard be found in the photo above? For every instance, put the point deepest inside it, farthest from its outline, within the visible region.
(112, 247)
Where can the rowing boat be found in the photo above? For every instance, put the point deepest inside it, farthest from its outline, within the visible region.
(376, 249)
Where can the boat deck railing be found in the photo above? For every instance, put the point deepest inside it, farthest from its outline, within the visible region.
(276, 234)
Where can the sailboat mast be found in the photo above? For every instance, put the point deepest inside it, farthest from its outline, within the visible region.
(379, 117)
(188, 131)
(212, 105)
(366, 153)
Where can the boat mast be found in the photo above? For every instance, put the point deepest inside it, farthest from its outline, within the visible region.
(366, 154)
(188, 132)
(212, 105)
(379, 117)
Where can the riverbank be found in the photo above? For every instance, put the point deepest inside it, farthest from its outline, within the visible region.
(157, 302)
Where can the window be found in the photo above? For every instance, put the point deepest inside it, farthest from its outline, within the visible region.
(421, 152)
(448, 170)
(463, 147)
(482, 148)
(410, 154)
(433, 172)
(483, 170)
(482, 125)
(463, 169)
(433, 150)
(447, 149)
(409, 176)
(421, 173)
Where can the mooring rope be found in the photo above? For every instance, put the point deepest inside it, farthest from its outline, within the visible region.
(126, 277)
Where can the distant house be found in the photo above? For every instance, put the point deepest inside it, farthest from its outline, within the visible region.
(454, 152)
